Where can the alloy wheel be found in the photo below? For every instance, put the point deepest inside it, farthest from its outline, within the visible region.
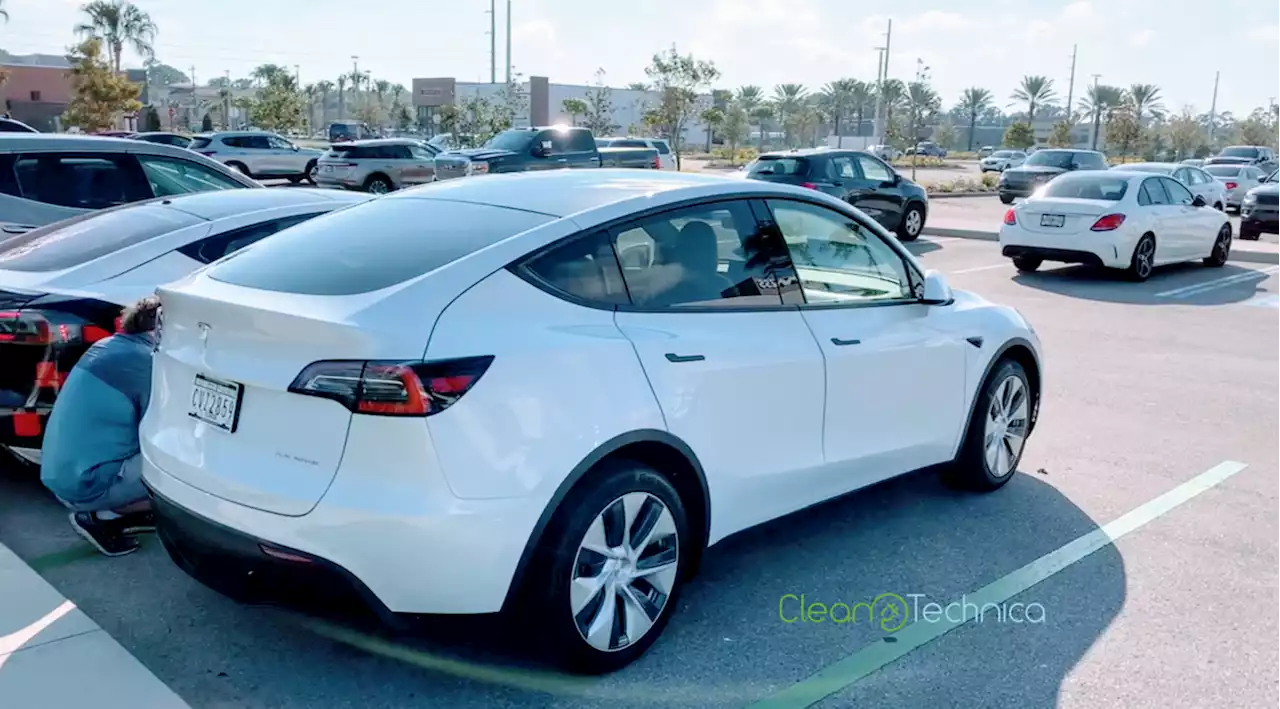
(1005, 430)
(1145, 257)
(913, 223)
(624, 571)
(378, 187)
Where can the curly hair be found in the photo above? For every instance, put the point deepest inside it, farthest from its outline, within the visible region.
(141, 316)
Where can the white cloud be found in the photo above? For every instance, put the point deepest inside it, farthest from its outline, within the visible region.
(1142, 38)
(1264, 33)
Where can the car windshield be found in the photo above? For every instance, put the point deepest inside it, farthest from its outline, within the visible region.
(1050, 158)
(1239, 151)
(514, 140)
(1157, 169)
(769, 165)
(1223, 170)
(1095, 185)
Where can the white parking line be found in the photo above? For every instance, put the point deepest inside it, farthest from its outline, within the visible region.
(1197, 288)
(975, 269)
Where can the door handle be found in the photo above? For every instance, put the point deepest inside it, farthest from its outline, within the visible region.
(841, 343)
(673, 357)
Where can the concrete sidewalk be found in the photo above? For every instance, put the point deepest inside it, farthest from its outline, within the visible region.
(52, 656)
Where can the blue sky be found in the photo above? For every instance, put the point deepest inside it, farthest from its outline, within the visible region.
(1176, 44)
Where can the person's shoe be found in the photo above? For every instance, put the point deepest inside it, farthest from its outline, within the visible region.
(136, 523)
(106, 535)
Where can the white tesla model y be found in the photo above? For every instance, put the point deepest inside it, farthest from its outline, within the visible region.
(549, 393)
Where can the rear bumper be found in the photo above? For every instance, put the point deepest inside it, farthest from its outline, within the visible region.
(1049, 254)
(1108, 249)
(1260, 220)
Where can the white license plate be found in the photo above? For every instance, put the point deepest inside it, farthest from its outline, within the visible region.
(328, 168)
(1052, 219)
(216, 403)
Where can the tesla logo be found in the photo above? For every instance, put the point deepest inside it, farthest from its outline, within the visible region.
(204, 333)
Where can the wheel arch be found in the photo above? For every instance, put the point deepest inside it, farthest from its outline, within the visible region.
(1020, 350)
(376, 174)
(662, 451)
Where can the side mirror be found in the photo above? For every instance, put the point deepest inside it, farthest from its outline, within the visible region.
(1198, 201)
(935, 290)
(543, 149)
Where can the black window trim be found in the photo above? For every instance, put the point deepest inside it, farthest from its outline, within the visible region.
(758, 207)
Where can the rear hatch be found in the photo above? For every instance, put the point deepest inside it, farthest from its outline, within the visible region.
(787, 169)
(338, 163)
(1061, 216)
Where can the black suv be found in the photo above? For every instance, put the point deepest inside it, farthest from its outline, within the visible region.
(859, 178)
(1044, 165)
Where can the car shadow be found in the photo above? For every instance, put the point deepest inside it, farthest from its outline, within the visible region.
(921, 246)
(728, 644)
(1177, 284)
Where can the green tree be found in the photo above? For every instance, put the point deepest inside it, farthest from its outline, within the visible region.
(1098, 101)
(151, 119)
(279, 105)
(598, 115)
(1123, 130)
(100, 96)
(574, 107)
(973, 102)
(734, 129)
(164, 75)
(1146, 102)
(1019, 136)
(944, 134)
(837, 100)
(712, 118)
(1184, 134)
(118, 23)
(893, 96)
(1061, 135)
(922, 104)
(677, 79)
(750, 99)
(787, 100)
(1034, 91)
(510, 102)
(1259, 128)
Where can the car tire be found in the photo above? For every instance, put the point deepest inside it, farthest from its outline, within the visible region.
(311, 172)
(912, 223)
(240, 168)
(555, 587)
(1006, 199)
(377, 184)
(1027, 264)
(1219, 206)
(1002, 409)
(1221, 248)
(1249, 234)
(1142, 263)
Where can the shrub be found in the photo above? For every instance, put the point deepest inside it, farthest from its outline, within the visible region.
(990, 180)
(920, 161)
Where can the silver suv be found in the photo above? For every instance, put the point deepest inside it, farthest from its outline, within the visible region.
(377, 166)
(258, 154)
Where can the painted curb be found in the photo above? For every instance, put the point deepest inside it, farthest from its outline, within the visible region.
(1241, 255)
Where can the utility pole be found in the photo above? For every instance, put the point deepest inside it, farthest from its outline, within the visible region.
(875, 123)
(1071, 83)
(297, 78)
(508, 41)
(1213, 108)
(493, 41)
(226, 100)
(879, 129)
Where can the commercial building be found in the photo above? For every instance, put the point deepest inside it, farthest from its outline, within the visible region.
(36, 94)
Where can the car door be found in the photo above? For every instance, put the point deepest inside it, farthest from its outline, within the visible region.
(1165, 218)
(580, 149)
(173, 176)
(285, 158)
(1198, 226)
(896, 372)
(877, 191)
(258, 155)
(556, 159)
(421, 167)
(732, 365)
(40, 188)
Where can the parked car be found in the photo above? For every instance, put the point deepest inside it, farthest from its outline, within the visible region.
(1259, 211)
(259, 154)
(1261, 156)
(346, 131)
(326, 407)
(48, 177)
(884, 152)
(985, 151)
(928, 149)
(1044, 165)
(177, 140)
(9, 125)
(1237, 180)
(854, 177)
(377, 166)
(548, 148)
(1001, 160)
(63, 286)
(665, 157)
(1198, 181)
(114, 133)
(1198, 162)
(1123, 219)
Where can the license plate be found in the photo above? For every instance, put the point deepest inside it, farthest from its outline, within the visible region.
(328, 168)
(1052, 219)
(216, 403)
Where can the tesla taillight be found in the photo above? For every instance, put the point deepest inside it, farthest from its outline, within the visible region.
(391, 388)
(1109, 222)
(1010, 218)
(35, 327)
(1231, 185)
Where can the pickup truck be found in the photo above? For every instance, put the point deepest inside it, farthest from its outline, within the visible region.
(526, 149)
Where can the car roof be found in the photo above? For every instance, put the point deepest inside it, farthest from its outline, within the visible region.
(60, 142)
(218, 204)
(560, 193)
(1130, 174)
(1136, 166)
(233, 133)
(379, 141)
(802, 152)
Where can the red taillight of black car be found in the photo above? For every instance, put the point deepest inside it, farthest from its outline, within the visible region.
(391, 388)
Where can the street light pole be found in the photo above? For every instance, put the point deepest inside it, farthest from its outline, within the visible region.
(1097, 116)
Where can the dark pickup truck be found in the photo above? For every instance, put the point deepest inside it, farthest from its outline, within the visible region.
(526, 149)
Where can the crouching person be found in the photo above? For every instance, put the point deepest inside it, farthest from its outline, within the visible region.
(91, 458)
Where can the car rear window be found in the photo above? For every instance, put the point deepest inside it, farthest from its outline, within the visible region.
(663, 148)
(780, 167)
(199, 142)
(83, 238)
(1239, 151)
(629, 144)
(1223, 170)
(372, 246)
(1098, 186)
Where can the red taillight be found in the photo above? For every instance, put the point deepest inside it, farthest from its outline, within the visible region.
(809, 185)
(1108, 222)
(36, 327)
(1231, 185)
(657, 162)
(391, 388)
(1010, 218)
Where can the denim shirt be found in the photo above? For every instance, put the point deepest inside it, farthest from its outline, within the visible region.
(94, 424)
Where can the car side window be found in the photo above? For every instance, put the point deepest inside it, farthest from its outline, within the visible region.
(837, 259)
(80, 181)
(842, 168)
(171, 176)
(873, 169)
(400, 152)
(257, 142)
(586, 268)
(1178, 194)
(580, 141)
(1154, 193)
(1182, 176)
(418, 152)
(278, 143)
(212, 248)
(709, 255)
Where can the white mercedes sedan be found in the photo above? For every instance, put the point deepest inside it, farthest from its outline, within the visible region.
(1133, 221)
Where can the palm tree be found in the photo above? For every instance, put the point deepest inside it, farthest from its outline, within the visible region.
(117, 23)
(973, 102)
(860, 96)
(3, 13)
(893, 94)
(1097, 102)
(1146, 101)
(836, 99)
(637, 86)
(750, 99)
(311, 91)
(342, 96)
(266, 74)
(381, 88)
(324, 87)
(1034, 91)
(787, 99)
(922, 102)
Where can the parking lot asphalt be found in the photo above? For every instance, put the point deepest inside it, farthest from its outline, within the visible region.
(1147, 387)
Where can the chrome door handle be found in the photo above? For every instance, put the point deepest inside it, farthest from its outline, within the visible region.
(673, 357)
(841, 343)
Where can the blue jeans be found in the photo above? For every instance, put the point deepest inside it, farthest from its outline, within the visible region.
(126, 489)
